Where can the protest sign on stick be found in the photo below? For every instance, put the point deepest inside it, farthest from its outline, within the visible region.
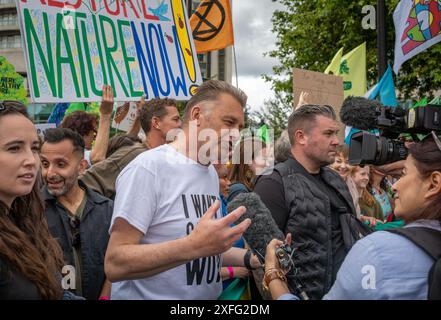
(124, 116)
(321, 89)
(136, 46)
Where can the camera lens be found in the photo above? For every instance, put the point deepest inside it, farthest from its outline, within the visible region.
(389, 150)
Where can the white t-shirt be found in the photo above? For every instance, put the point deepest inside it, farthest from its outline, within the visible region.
(163, 194)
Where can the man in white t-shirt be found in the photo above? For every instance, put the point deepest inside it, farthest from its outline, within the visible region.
(168, 239)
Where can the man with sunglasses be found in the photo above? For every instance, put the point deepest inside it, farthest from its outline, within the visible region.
(78, 217)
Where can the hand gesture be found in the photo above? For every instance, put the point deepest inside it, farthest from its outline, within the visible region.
(304, 96)
(215, 236)
(107, 101)
(139, 105)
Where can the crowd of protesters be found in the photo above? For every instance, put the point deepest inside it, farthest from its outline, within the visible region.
(87, 216)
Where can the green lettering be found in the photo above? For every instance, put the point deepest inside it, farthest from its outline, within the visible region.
(62, 34)
(80, 52)
(127, 59)
(109, 50)
(48, 65)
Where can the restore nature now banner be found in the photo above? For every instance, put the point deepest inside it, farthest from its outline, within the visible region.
(74, 47)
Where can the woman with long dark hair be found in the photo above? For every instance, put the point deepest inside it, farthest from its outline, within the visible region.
(30, 259)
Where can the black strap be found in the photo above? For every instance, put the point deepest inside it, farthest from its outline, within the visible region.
(426, 238)
(247, 260)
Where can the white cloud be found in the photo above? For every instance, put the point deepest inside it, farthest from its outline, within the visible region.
(256, 89)
(253, 38)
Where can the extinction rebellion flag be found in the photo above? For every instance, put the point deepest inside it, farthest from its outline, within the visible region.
(212, 26)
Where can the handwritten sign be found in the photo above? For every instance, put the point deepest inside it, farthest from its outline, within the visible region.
(72, 48)
(42, 127)
(322, 89)
(124, 117)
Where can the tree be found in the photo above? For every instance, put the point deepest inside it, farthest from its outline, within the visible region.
(274, 114)
(309, 33)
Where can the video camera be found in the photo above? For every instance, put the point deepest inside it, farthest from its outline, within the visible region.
(368, 148)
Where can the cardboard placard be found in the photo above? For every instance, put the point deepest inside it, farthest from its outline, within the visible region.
(322, 89)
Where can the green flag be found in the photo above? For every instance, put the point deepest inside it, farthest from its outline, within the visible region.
(421, 103)
(436, 101)
(353, 71)
(263, 134)
(334, 66)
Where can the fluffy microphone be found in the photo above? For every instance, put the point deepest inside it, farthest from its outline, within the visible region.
(359, 112)
(263, 228)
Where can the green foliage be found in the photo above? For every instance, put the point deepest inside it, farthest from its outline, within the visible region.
(309, 33)
(11, 83)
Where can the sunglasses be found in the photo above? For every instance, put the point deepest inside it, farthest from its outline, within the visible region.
(74, 223)
(12, 104)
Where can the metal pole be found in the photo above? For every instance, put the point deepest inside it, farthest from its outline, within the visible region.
(189, 8)
(381, 38)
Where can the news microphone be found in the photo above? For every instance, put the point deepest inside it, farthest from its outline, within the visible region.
(360, 113)
(263, 228)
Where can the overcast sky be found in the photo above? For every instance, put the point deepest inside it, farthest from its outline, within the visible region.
(252, 38)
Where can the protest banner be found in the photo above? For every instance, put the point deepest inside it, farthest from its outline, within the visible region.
(42, 127)
(11, 83)
(124, 116)
(72, 48)
(321, 88)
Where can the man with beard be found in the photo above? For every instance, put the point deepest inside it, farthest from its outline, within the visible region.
(78, 217)
(306, 197)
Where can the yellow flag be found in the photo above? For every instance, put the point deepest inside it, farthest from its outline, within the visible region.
(212, 25)
(334, 66)
(353, 71)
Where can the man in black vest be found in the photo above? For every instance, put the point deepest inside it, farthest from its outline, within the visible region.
(306, 198)
(78, 217)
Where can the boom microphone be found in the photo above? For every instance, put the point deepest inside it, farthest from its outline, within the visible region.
(263, 228)
(360, 113)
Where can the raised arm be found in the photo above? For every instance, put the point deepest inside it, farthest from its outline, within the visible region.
(98, 152)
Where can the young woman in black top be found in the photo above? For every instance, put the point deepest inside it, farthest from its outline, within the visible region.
(30, 259)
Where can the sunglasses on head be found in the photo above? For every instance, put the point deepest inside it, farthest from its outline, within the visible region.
(437, 140)
(12, 104)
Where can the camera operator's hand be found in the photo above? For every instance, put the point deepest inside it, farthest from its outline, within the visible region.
(372, 221)
(394, 169)
(271, 260)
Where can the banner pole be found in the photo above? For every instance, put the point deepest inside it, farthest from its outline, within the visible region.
(235, 66)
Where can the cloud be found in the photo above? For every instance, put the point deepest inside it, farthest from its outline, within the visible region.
(257, 91)
(253, 37)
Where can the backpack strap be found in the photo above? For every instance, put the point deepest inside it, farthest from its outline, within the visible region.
(428, 240)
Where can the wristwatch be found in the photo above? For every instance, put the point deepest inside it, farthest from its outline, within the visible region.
(271, 275)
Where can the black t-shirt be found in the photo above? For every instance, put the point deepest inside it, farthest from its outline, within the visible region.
(271, 191)
(14, 286)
